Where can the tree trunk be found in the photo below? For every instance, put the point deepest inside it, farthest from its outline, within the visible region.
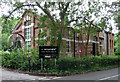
(88, 35)
(59, 42)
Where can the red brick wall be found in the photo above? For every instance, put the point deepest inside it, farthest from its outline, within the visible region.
(35, 32)
(111, 43)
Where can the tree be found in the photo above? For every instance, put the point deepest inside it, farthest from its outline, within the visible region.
(116, 44)
(7, 26)
(6, 30)
(63, 14)
(117, 20)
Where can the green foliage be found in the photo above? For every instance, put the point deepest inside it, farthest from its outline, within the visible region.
(117, 18)
(87, 63)
(117, 44)
(3, 41)
(8, 24)
(65, 65)
(7, 27)
(16, 60)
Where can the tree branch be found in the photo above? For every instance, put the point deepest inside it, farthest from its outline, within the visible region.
(65, 9)
(19, 8)
(59, 6)
(48, 13)
(73, 20)
(84, 19)
(90, 22)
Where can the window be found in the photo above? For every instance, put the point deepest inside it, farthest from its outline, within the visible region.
(100, 46)
(68, 34)
(77, 34)
(94, 38)
(100, 41)
(28, 33)
(68, 43)
(28, 22)
(68, 46)
(76, 45)
(28, 44)
(28, 36)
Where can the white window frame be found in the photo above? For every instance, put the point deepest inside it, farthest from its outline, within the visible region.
(28, 35)
(68, 43)
(68, 46)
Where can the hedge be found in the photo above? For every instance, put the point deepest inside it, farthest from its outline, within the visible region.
(19, 60)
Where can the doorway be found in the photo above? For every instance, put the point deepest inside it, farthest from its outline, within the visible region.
(94, 49)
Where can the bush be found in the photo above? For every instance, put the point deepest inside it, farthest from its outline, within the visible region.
(16, 60)
(88, 63)
(65, 65)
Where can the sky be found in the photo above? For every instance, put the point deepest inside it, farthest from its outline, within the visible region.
(6, 8)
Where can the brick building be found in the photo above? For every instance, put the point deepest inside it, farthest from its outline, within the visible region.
(102, 43)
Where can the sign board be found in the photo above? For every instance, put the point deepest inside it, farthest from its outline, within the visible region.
(79, 50)
(48, 51)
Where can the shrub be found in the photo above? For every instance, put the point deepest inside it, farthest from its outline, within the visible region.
(67, 65)
(16, 60)
(87, 63)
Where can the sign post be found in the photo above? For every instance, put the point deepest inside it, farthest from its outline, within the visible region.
(55, 62)
(79, 50)
(29, 62)
(41, 63)
(48, 52)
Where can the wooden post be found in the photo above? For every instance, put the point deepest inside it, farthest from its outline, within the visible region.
(29, 63)
(41, 63)
(55, 62)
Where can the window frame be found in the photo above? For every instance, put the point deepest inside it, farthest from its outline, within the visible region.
(28, 34)
(68, 47)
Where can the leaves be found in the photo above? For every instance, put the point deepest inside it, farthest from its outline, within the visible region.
(8, 24)
(57, 16)
(17, 4)
(7, 27)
